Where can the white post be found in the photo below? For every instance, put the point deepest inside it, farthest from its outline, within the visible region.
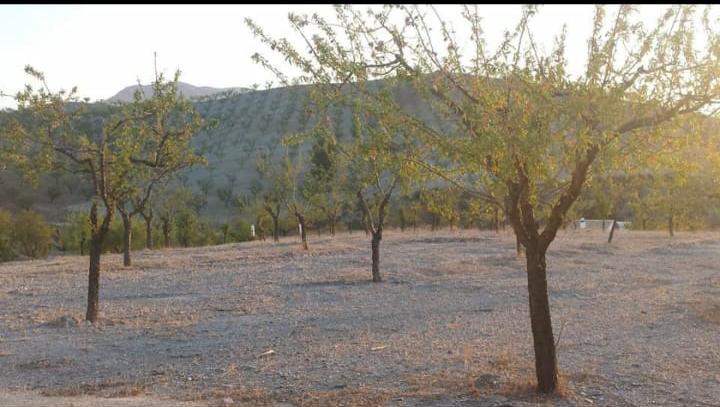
(300, 230)
(252, 230)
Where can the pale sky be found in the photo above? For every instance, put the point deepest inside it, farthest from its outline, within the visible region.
(104, 48)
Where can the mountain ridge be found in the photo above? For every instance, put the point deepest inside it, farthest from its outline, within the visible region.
(188, 90)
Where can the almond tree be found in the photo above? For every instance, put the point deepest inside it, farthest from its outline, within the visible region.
(325, 183)
(165, 124)
(53, 130)
(515, 118)
(270, 190)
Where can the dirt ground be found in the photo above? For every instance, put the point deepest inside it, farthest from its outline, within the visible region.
(265, 324)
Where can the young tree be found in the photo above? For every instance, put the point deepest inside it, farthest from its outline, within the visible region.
(167, 207)
(294, 179)
(164, 125)
(516, 117)
(324, 185)
(270, 190)
(52, 130)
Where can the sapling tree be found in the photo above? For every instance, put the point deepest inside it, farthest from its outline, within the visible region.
(52, 131)
(515, 117)
(293, 179)
(325, 183)
(271, 190)
(164, 124)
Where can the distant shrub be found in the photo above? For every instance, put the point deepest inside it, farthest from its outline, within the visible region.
(31, 234)
(114, 239)
(6, 226)
(239, 231)
(191, 231)
(75, 232)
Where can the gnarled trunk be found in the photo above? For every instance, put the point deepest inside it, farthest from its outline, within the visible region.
(541, 324)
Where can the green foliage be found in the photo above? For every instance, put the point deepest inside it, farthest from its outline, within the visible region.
(114, 240)
(75, 231)
(6, 240)
(239, 231)
(31, 234)
(191, 231)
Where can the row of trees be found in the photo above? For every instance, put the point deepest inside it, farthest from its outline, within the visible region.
(520, 132)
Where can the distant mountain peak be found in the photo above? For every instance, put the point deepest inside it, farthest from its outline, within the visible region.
(188, 90)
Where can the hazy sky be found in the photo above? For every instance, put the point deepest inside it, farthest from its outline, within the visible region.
(104, 48)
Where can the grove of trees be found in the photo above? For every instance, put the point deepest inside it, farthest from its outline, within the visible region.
(444, 133)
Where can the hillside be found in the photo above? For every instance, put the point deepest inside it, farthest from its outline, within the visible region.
(249, 121)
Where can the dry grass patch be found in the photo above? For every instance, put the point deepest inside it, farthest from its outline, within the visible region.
(108, 388)
(354, 397)
(244, 396)
(437, 385)
(708, 312)
(45, 364)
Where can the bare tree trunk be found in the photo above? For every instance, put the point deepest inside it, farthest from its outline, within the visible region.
(375, 246)
(670, 225)
(496, 221)
(148, 229)
(165, 231)
(333, 221)
(402, 220)
(543, 339)
(99, 231)
(276, 228)
(303, 230)
(93, 300)
(127, 237)
(612, 231)
(375, 228)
